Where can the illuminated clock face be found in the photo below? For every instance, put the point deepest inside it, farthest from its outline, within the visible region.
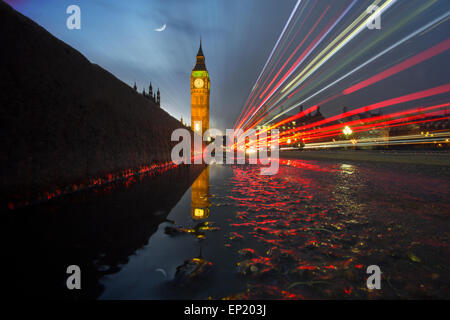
(198, 83)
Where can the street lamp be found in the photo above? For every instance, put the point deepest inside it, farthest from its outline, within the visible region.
(347, 131)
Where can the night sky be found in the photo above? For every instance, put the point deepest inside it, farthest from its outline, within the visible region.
(119, 35)
(237, 37)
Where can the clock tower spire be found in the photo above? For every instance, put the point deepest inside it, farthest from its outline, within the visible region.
(200, 83)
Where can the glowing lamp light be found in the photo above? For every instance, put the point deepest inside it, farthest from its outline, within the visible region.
(197, 127)
(289, 141)
(199, 213)
(347, 130)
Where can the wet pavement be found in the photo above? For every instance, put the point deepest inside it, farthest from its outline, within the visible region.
(308, 232)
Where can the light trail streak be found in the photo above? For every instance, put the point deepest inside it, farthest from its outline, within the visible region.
(289, 44)
(423, 56)
(375, 126)
(382, 104)
(437, 136)
(382, 53)
(296, 81)
(311, 30)
(309, 50)
(295, 117)
(288, 82)
(279, 38)
(356, 125)
(304, 55)
(340, 126)
(348, 8)
(336, 40)
(373, 142)
(276, 44)
(385, 35)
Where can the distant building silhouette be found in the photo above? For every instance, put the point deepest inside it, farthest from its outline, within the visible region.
(155, 97)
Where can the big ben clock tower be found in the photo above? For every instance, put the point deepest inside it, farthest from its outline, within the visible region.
(200, 94)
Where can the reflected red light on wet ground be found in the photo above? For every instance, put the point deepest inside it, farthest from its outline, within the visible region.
(324, 222)
(128, 176)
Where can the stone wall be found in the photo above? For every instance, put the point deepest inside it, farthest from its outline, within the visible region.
(64, 119)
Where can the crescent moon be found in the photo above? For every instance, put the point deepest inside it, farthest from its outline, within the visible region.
(162, 28)
(162, 271)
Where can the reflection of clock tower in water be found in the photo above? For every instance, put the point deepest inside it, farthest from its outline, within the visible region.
(200, 94)
(200, 196)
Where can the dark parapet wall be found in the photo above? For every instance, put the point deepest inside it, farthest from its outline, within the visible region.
(64, 119)
(101, 227)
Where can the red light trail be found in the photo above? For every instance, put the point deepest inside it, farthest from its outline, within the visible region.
(427, 54)
(312, 69)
